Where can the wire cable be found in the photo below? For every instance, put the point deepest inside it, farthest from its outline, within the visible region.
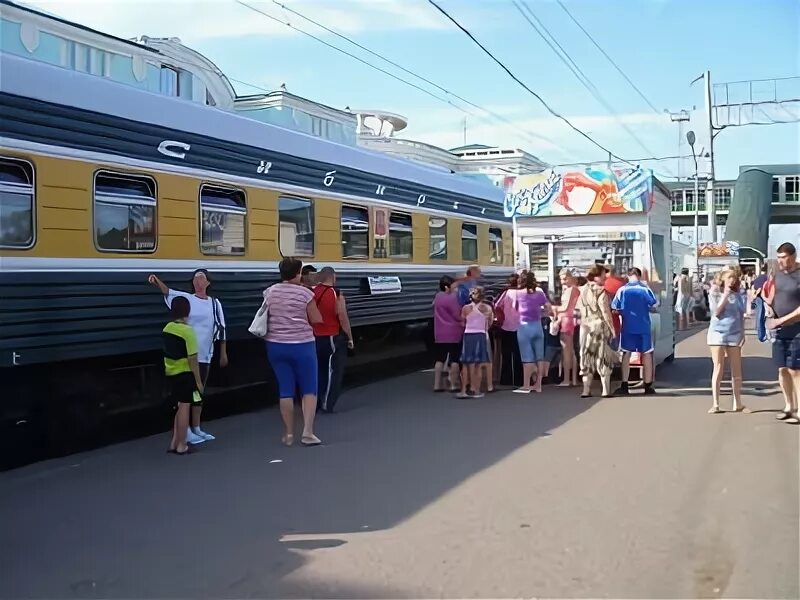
(611, 60)
(524, 86)
(540, 28)
(528, 134)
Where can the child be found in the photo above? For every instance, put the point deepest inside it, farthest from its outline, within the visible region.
(181, 369)
(475, 352)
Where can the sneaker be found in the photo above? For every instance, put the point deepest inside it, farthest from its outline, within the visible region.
(649, 390)
(622, 390)
(193, 438)
(207, 436)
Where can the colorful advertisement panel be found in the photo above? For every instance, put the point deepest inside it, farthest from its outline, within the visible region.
(727, 249)
(590, 192)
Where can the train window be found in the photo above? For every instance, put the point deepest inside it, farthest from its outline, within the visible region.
(401, 235)
(124, 212)
(355, 232)
(296, 235)
(437, 233)
(16, 204)
(223, 212)
(469, 241)
(495, 245)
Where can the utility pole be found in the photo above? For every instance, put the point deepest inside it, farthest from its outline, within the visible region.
(465, 131)
(710, 205)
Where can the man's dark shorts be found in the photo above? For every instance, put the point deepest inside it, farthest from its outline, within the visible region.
(786, 347)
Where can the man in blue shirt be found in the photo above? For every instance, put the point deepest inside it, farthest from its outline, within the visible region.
(467, 283)
(633, 303)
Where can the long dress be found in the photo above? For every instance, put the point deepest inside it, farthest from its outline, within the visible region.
(596, 354)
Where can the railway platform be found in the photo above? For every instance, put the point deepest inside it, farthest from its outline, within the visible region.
(422, 495)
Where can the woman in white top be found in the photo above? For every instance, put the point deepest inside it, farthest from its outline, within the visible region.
(208, 321)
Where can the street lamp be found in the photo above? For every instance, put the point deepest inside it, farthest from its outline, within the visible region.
(691, 138)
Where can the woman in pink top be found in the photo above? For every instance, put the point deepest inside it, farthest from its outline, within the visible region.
(291, 349)
(530, 302)
(564, 314)
(448, 331)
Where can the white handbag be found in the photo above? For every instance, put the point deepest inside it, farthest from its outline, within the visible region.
(259, 325)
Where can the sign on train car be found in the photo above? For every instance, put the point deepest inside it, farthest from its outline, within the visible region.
(384, 284)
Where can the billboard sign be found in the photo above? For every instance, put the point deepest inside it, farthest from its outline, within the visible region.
(590, 192)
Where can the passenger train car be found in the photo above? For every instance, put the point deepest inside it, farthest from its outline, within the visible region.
(101, 185)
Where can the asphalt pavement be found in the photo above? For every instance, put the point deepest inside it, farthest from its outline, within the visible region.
(421, 495)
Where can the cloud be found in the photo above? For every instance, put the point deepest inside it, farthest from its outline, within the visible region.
(199, 20)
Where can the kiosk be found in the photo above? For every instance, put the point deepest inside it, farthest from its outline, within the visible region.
(576, 219)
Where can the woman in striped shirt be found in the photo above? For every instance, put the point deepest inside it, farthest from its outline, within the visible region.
(291, 348)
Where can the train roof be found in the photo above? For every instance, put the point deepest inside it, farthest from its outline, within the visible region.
(118, 119)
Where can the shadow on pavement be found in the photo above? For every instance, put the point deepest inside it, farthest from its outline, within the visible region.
(131, 521)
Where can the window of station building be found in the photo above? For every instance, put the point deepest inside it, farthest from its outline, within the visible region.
(17, 204)
(677, 200)
(689, 205)
(776, 190)
(401, 235)
(223, 216)
(469, 242)
(792, 189)
(355, 232)
(495, 245)
(722, 198)
(124, 212)
(437, 233)
(296, 235)
(169, 81)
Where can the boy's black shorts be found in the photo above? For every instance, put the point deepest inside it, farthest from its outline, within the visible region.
(181, 388)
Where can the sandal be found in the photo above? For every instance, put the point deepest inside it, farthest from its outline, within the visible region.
(586, 395)
(783, 415)
(439, 390)
(714, 410)
(175, 451)
(310, 440)
(287, 440)
(743, 410)
(792, 421)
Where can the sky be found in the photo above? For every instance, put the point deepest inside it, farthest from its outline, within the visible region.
(661, 45)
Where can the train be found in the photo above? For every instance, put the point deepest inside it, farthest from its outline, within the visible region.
(102, 185)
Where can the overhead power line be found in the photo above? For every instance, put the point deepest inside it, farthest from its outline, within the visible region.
(611, 60)
(541, 29)
(528, 134)
(524, 86)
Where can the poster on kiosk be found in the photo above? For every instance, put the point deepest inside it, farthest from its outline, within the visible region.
(578, 218)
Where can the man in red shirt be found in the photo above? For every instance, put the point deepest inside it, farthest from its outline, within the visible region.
(332, 307)
(612, 285)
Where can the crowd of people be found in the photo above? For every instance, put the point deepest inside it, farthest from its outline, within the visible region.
(515, 339)
(521, 339)
(307, 335)
(601, 319)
